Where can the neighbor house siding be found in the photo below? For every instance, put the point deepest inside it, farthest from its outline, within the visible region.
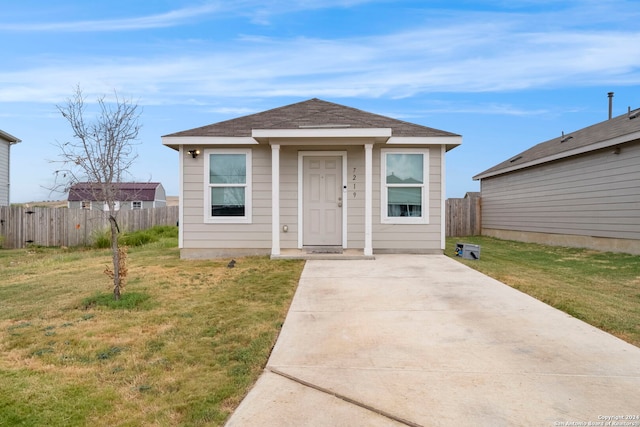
(4, 172)
(595, 194)
(409, 237)
(201, 235)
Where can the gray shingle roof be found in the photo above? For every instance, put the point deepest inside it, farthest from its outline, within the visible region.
(127, 191)
(621, 127)
(312, 113)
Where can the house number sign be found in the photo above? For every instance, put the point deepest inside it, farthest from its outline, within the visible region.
(355, 176)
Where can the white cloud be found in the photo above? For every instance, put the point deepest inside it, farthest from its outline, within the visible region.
(167, 19)
(258, 11)
(474, 53)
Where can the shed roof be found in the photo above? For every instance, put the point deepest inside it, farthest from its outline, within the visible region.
(127, 191)
(314, 113)
(612, 132)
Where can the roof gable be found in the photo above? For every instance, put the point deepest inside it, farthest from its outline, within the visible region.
(314, 113)
(615, 131)
(126, 191)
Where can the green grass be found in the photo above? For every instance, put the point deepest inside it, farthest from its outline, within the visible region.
(600, 288)
(182, 346)
(138, 238)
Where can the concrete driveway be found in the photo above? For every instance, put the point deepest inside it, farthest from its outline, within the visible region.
(422, 340)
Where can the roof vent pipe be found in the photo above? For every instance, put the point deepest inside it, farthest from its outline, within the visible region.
(610, 94)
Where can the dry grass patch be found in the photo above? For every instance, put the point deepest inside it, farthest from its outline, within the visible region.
(182, 351)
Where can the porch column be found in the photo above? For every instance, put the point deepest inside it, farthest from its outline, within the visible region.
(275, 199)
(368, 197)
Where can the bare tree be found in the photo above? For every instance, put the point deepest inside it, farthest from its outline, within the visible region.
(100, 153)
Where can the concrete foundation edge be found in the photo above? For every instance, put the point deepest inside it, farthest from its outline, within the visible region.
(603, 244)
(214, 253)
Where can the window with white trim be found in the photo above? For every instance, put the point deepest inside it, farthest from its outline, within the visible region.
(228, 186)
(137, 204)
(404, 195)
(86, 205)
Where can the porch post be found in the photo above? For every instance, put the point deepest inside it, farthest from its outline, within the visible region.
(275, 199)
(368, 196)
(443, 199)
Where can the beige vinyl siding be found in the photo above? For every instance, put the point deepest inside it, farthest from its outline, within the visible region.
(4, 173)
(257, 235)
(198, 235)
(409, 237)
(595, 194)
(355, 205)
(288, 196)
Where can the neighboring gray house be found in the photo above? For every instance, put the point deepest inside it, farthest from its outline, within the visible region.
(581, 189)
(131, 195)
(311, 177)
(6, 141)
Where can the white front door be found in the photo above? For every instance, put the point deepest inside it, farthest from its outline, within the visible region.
(322, 201)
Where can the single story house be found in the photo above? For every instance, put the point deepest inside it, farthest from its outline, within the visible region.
(130, 195)
(581, 189)
(6, 141)
(311, 177)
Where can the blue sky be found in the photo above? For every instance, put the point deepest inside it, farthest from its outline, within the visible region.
(505, 75)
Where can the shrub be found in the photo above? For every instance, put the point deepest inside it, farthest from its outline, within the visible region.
(103, 240)
(138, 238)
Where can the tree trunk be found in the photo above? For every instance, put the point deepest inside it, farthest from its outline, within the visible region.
(116, 257)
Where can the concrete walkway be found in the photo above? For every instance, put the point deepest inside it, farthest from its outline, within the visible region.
(425, 341)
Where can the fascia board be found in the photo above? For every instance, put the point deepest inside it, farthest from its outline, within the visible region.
(176, 141)
(323, 133)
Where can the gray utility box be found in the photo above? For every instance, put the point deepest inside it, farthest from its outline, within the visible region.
(468, 251)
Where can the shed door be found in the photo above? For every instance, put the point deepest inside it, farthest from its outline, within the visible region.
(322, 201)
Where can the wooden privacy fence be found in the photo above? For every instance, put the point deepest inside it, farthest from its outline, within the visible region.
(20, 226)
(463, 217)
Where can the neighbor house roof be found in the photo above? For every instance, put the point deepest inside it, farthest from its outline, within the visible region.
(8, 137)
(314, 113)
(613, 132)
(127, 191)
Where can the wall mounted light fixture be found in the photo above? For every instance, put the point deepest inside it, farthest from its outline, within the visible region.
(194, 153)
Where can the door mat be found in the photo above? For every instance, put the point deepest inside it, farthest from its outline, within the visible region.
(324, 249)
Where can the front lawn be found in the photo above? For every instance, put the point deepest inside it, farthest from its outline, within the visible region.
(600, 288)
(181, 348)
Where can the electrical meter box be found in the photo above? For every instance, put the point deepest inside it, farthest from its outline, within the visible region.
(468, 251)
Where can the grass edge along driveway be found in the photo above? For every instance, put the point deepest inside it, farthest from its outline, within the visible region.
(599, 288)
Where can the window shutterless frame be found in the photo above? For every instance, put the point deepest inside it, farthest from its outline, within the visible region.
(227, 186)
(404, 183)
